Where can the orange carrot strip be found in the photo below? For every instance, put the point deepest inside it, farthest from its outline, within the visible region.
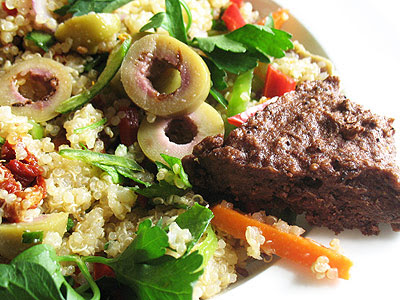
(280, 16)
(295, 248)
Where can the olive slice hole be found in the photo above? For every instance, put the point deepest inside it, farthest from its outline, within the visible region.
(181, 130)
(164, 77)
(36, 86)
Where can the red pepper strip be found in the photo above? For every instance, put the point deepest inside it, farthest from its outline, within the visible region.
(241, 118)
(101, 270)
(277, 83)
(11, 12)
(233, 18)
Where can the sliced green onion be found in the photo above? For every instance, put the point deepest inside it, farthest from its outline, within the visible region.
(107, 245)
(70, 224)
(32, 237)
(37, 131)
(219, 97)
(91, 126)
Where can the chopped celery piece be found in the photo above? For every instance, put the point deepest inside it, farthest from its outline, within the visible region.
(37, 131)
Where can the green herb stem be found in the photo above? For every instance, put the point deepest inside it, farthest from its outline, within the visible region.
(188, 13)
(2, 140)
(96, 259)
(84, 270)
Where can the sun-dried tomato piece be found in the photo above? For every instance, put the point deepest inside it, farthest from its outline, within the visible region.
(11, 12)
(129, 126)
(8, 181)
(21, 178)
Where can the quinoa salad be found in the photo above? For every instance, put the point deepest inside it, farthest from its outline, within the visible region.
(99, 104)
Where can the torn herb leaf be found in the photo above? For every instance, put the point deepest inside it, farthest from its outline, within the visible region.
(35, 274)
(208, 44)
(116, 166)
(98, 63)
(83, 7)
(41, 39)
(176, 166)
(161, 189)
(269, 41)
(148, 271)
(70, 224)
(101, 158)
(196, 219)
(232, 62)
(171, 20)
(218, 76)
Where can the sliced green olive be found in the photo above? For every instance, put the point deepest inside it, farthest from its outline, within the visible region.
(164, 76)
(11, 234)
(89, 30)
(325, 64)
(35, 87)
(177, 136)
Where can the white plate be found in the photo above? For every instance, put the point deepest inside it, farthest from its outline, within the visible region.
(362, 39)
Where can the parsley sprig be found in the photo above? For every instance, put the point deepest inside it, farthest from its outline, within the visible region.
(144, 267)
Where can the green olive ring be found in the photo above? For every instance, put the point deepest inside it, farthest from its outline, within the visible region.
(154, 138)
(35, 87)
(147, 64)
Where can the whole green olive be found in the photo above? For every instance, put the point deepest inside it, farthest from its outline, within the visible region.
(89, 30)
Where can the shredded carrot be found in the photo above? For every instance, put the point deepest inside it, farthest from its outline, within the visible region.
(279, 16)
(295, 248)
